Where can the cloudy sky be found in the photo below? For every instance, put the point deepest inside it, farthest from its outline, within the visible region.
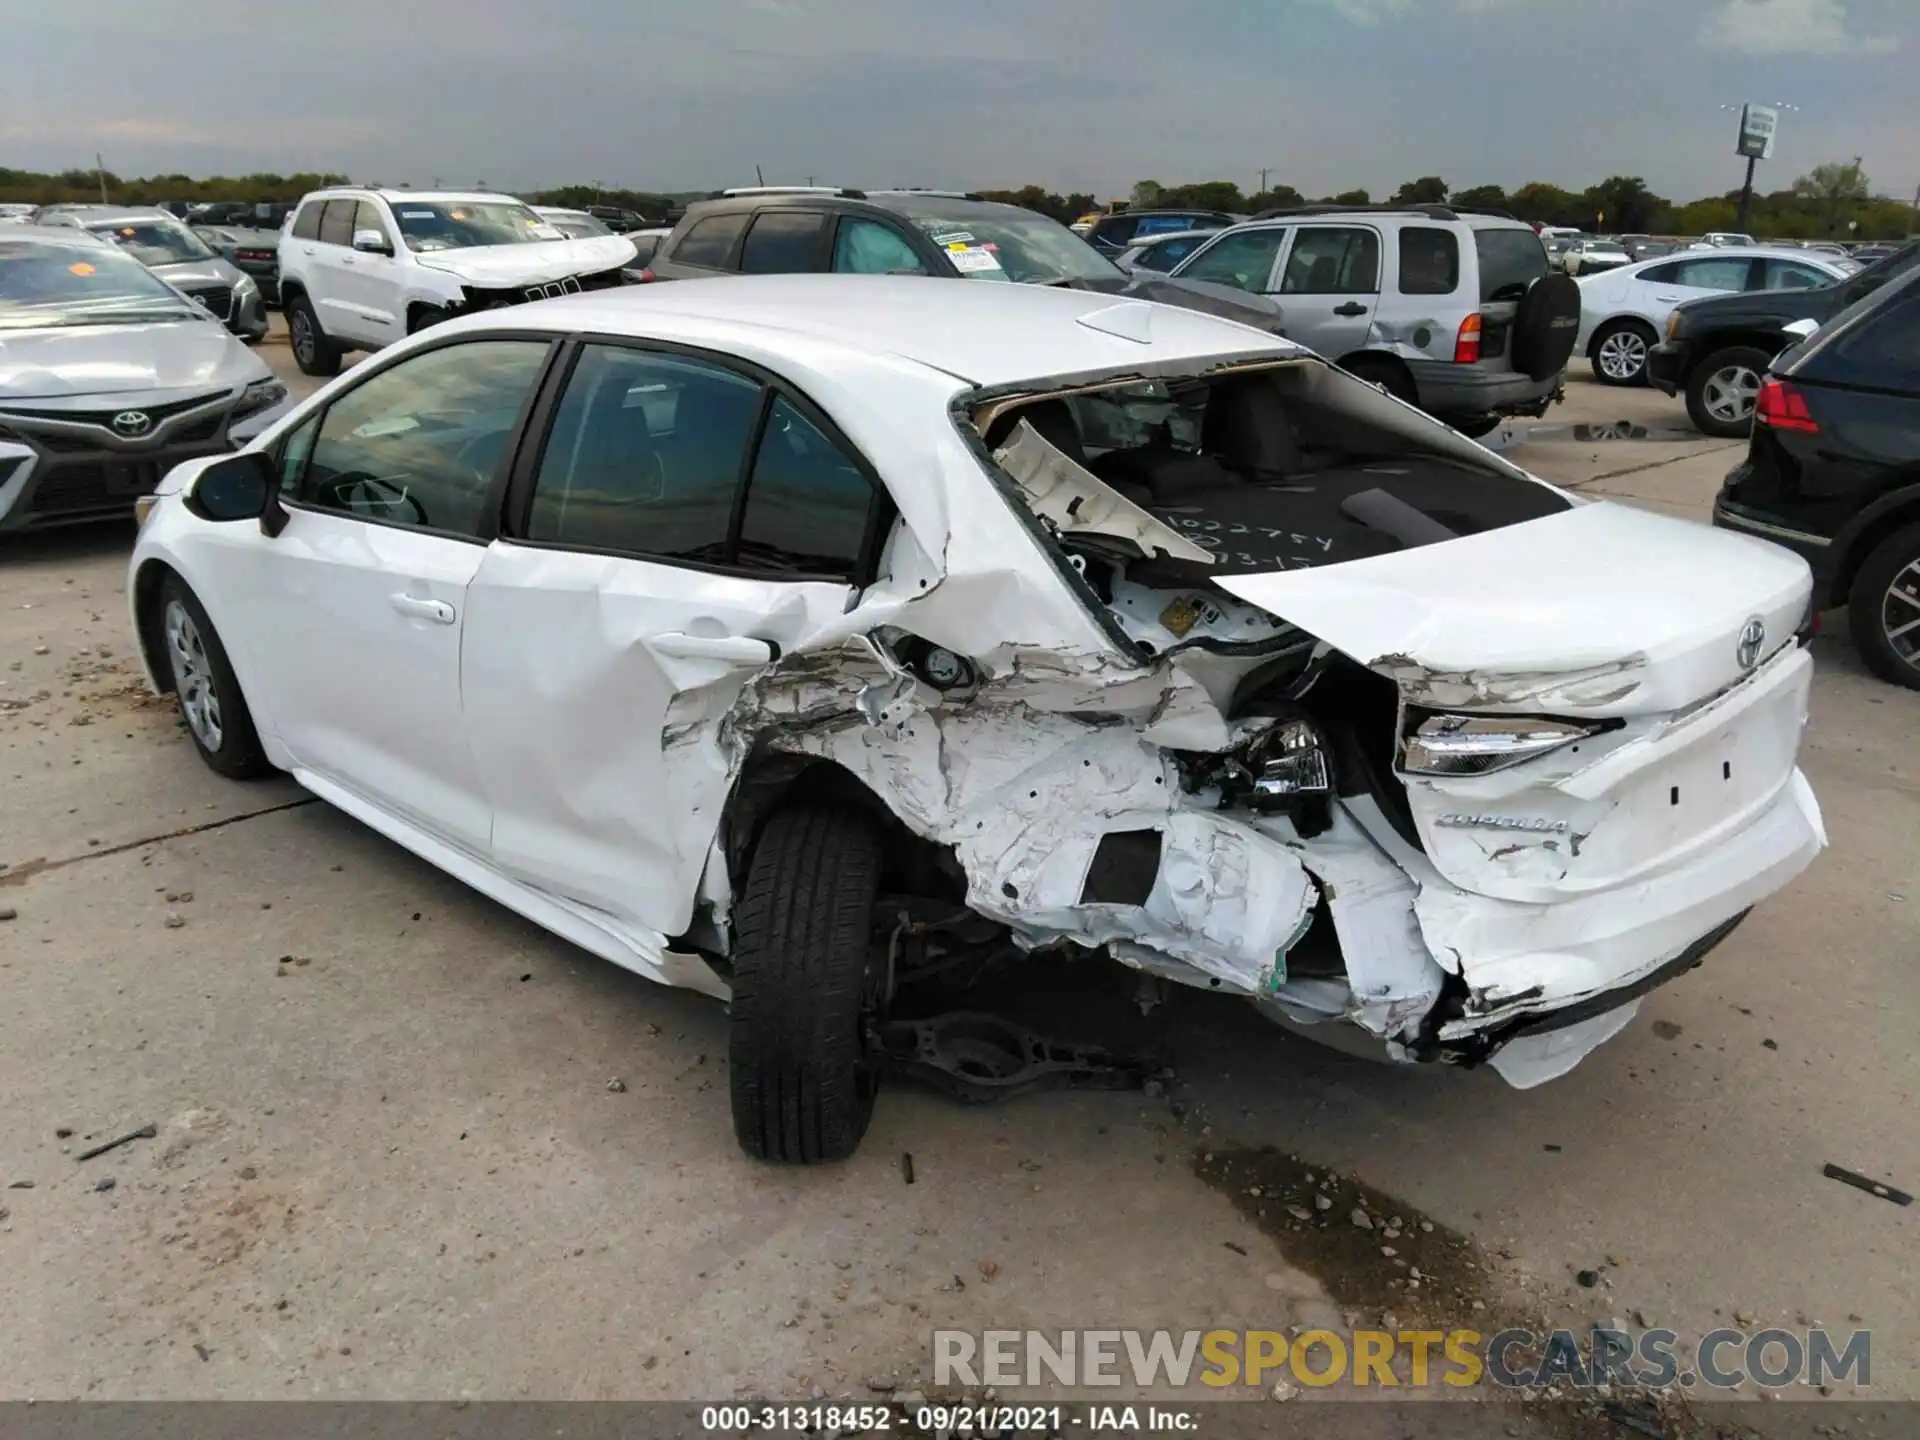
(1072, 94)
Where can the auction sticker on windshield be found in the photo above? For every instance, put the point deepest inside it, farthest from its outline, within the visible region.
(969, 259)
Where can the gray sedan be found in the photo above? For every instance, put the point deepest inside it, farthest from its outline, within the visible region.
(177, 255)
(108, 378)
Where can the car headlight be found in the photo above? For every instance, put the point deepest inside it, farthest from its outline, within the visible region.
(260, 395)
(1481, 744)
(245, 286)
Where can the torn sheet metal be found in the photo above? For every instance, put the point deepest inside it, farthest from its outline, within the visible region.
(1024, 798)
(1074, 502)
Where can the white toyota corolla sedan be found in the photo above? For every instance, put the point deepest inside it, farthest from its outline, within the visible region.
(793, 638)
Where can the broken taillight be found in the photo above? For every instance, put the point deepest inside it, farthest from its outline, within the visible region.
(1466, 344)
(1781, 406)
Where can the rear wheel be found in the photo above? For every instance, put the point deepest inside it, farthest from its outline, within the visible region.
(805, 984)
(204, 683)
(1883, 608)
(1620, 353)
(1722, 388)
(313, 352)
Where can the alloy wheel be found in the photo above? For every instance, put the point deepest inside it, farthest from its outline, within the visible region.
(1900, 614)
(193, 677)
(1729, 394)
(302, 336)
(1623, 355)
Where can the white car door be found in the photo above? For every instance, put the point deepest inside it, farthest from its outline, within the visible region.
(371, 285)
(1659, 288)
(329, 274)
(635, 591)
(356, 607)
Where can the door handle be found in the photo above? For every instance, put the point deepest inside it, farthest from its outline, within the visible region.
(1352, 307)
(1668, 299)
(438, 611)
(733, 649)
(346, 260)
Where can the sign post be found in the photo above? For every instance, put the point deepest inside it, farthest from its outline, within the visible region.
(1758, 124)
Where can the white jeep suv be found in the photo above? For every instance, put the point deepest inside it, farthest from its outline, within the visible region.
(360, 269)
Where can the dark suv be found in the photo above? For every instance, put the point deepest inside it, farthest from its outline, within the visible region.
(1833, 470)
(1113, 233)
(1733, 337)
(940, 233)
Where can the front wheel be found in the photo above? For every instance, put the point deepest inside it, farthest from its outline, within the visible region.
(313, 352)
(208, 692)
(1620, 354)
(1883, 608)
(1722, 388)
(805, 985)
(1474, 426)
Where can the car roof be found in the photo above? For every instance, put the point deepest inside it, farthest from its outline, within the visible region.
(431, 197)
(986, 333)
(1746, 252)
(1147, 240)
(62, 235)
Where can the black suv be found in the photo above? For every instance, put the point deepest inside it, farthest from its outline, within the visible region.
(1833, 471)
(941, 233)
(1733, 337)
(1113, 233)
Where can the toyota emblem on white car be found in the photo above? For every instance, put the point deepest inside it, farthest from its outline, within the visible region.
(132, 423)
(1753, 637)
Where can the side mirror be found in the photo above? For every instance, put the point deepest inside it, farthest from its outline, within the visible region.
(1802, 329)
(371, 242)
(240, 487)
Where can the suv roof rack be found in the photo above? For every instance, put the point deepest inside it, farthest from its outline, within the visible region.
(738, 190)
(1432, 212)
(927, 190)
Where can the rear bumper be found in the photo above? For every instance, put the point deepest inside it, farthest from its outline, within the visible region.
(1542, 980)
(1667, 366)
(1444, 389)
(1816, 550)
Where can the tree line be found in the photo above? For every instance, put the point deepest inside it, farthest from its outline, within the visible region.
(1831, 201)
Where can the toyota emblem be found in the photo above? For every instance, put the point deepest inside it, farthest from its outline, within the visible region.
(1753, 639)
(132, 423)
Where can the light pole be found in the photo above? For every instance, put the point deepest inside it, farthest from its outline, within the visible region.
(1746, 189)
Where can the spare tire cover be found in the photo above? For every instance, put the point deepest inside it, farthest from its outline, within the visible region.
(1545, 328)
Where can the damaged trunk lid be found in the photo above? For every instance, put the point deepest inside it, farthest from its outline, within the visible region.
(1658, 656)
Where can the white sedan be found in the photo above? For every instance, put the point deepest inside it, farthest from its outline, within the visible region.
(1623, 312)
(797, 638)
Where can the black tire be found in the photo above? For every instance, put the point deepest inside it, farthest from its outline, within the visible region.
(802, 1081)
(313, 352)
(422, 316)
(1884, 596)
(199, 668)
(1709, 382)
(1474, 426)
(1619, 343)
(1546, 326)
(1386, 374)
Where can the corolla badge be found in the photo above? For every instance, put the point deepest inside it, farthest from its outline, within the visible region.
(1753, 639)
(1503, 822)
(131, 423)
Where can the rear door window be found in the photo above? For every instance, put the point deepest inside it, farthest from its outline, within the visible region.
(783, 242)
(1429, 261)
(1715, 272)
(1511, 260)
(709, 243)
(1333, 260)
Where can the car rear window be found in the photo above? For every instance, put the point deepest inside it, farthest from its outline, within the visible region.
(710, 241)
(1429, 261)
(1510, 261)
